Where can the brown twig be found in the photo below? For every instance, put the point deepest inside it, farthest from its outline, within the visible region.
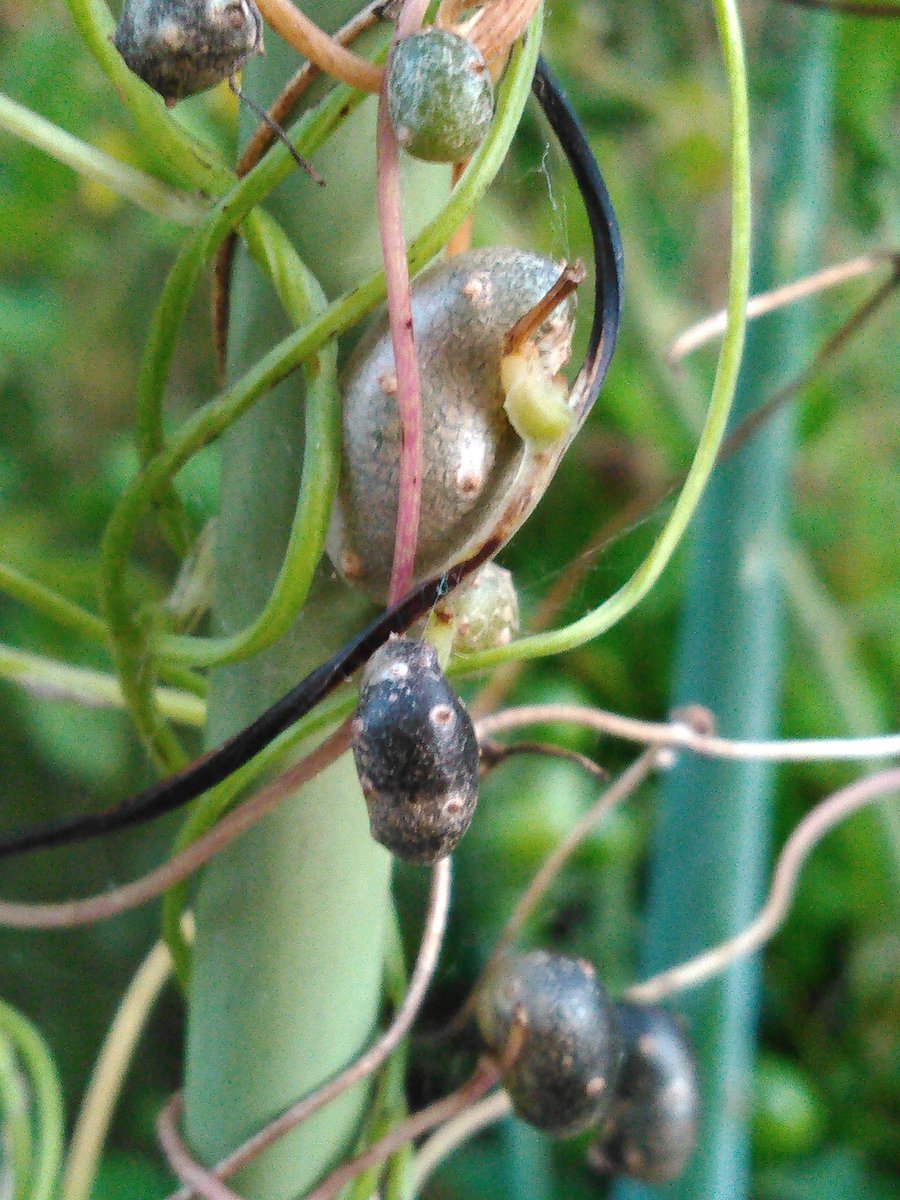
(766, 302)
(320, 47)
(681, 735)
(572, 275)
(454, 1133)
(485, 1076)
(494, 753)
(365, 1065)
(200, 1180)
(814, 826)
(69, 913)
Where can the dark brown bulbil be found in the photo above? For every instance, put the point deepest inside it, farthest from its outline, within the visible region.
(180, 47)
(563, 1076)
(651, 1130)
(416, 753)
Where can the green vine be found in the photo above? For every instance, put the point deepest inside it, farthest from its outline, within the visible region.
(631, 593)
(15, 1123)
(321, 461)
(52, 679)
(141, 189)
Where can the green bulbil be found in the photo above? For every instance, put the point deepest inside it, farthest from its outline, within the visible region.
(440, 96)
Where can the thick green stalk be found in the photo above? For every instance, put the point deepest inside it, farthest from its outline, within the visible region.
(126, 181)
(712, 837)
(292, 921)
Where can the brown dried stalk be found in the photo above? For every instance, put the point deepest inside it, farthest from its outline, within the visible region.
(320, 47)
(765, 302)
(814, 826)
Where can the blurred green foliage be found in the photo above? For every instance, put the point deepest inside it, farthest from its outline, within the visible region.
(79, 273)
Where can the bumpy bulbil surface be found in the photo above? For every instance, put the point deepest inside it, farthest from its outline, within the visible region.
(651, 1129)
(416, 753)
(180, 47)
(485, 609)
(440, 96)
(562, 1078)
(462, 311)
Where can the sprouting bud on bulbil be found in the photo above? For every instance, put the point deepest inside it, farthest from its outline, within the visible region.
(535, 403)
(180, 47)
(440, 96)
(565, 1066)
(462, 311)
(416, 753)
(484, 610)
(651, 1129)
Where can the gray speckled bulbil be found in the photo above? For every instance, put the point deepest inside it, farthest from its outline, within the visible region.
(651, 1129)
(180, 47)
(416, 753)
(462, 310)
(562, 1078)
(440, 96)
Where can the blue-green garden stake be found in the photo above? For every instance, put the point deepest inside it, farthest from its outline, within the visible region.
(710, 859)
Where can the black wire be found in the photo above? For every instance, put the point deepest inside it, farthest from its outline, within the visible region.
(215, 767)
(607, 242)
(267, 119)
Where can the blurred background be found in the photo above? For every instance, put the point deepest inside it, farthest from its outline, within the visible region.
(80, 272)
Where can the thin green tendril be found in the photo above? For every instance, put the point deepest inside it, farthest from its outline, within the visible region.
(47, 1101)
(631, 593)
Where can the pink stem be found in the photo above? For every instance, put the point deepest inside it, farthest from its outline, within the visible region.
(399, 305)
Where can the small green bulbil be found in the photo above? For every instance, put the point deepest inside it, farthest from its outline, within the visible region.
(484, 610)
(440, 96)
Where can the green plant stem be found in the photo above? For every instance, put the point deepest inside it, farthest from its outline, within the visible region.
(47, 1101)
(126, 181)
(54, 680)
(15, 1124)
(182, 159)
(41, 599)
(298, 293)
(710, 846)
(631, 593)
(291, 920)
(220, 800)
